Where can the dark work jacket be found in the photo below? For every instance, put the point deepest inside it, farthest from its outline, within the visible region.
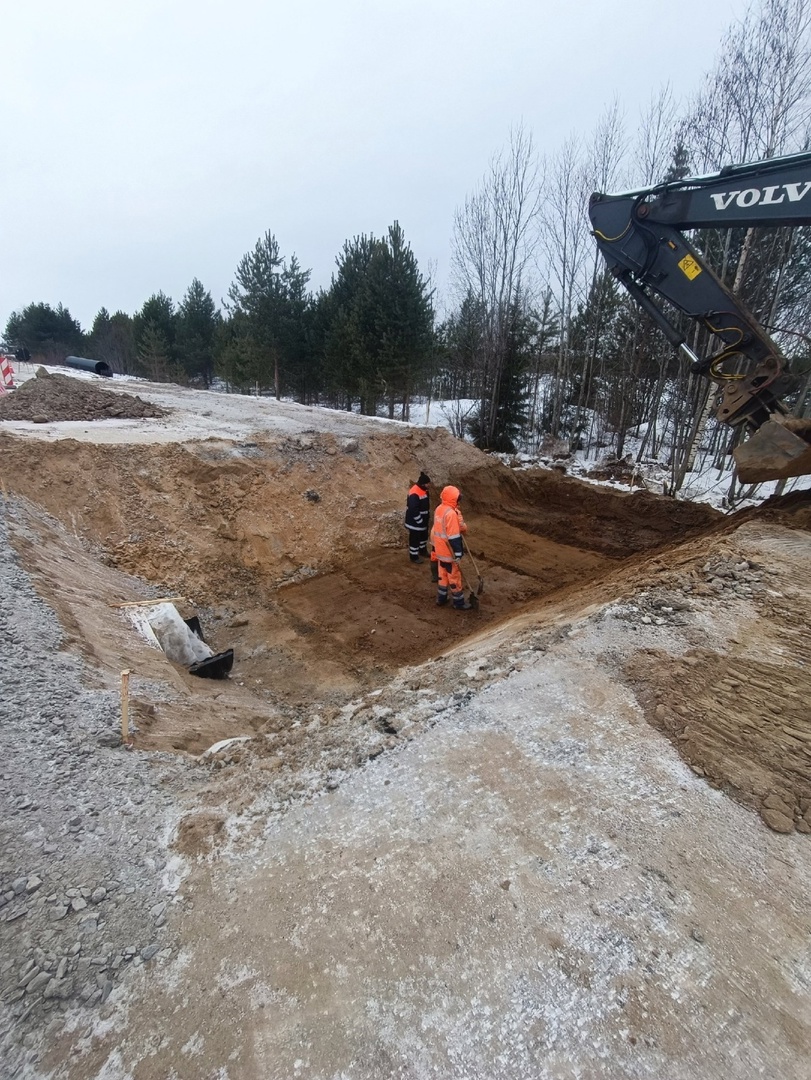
(417, 509)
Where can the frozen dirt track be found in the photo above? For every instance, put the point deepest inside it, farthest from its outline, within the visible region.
(532, 844)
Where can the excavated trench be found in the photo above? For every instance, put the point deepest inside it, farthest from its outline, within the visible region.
(287, 543)
(292, 553)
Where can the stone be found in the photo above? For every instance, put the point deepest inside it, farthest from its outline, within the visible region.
(776, 821)
(774, 802)
(38, 982)
(59, 988)
(149, 951)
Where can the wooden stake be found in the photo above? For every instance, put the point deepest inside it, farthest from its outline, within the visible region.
(125, 706)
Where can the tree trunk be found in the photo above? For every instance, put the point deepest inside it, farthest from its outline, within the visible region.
(699, 424)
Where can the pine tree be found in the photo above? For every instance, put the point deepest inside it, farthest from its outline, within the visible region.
(349, 365)
(379, 337)
(462, 340)
(403, 318)
(197, 320)
(501, 428)
(153, 354)
(301, 370)
(112, 340)
(157, 316)
(47, 332)
(267, 304)
(679, 167)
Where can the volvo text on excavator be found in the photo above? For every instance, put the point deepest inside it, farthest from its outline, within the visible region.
(641, 236)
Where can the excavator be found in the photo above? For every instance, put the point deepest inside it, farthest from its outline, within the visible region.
(641, 237)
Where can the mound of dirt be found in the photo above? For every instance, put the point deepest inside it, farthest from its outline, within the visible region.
(792, 510)
(51, 398)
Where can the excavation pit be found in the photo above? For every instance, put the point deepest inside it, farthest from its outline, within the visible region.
(316, 597)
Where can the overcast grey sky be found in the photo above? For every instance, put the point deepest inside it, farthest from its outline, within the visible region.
(150, 143)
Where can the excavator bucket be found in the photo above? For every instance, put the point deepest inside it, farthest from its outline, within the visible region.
(772, 453)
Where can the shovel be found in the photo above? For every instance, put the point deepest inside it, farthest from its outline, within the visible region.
(480, 589)
(473, 599)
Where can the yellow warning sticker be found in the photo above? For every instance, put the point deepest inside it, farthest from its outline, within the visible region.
(689, 267)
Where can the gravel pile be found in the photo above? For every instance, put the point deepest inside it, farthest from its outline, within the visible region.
(85, 877)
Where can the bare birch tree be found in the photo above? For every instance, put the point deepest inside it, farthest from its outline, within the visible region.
(495, 234)
(605, 163)
(568, 252)
(656, 138)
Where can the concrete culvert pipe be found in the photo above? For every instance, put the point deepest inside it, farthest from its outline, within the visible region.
(98, 367)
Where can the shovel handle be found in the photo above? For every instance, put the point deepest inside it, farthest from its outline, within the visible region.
(466, 546)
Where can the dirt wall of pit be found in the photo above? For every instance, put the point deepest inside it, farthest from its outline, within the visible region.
(222, 519)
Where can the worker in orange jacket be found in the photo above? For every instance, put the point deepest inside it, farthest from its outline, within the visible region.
(446, 538)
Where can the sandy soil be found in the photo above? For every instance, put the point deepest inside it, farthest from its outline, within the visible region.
(527, 841)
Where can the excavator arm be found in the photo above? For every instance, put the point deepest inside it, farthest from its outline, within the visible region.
(641, 237)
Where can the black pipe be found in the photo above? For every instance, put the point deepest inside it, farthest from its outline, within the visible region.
(98, 367)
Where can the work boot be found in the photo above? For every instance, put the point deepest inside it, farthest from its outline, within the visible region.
(442, 598)
(416, 561)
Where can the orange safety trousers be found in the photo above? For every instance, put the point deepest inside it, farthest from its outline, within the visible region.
(451, 578)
